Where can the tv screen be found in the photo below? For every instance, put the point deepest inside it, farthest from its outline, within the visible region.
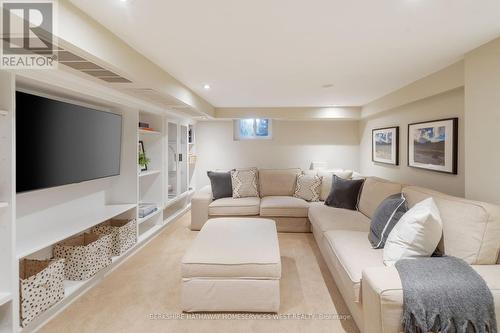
(59, 143)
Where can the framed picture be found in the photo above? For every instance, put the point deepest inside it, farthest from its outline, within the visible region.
(433, 145)
(142, 157)
(385, 145)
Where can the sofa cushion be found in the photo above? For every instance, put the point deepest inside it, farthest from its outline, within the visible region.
(308, 187)
(245, 183)
(353, 253)
(374, 191)
(234, 207)
(326, 182)
(221, 184)
(388, 213)
(283, 206)
(277, 182)
(417, 234)
(327, 218)
(344, 193)
(471, 229)
(249, 250)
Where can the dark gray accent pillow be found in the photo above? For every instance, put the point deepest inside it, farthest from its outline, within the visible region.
(385, 218)
(344, 193)
(221, 184)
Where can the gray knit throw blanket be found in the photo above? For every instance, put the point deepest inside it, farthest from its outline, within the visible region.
(445, 294)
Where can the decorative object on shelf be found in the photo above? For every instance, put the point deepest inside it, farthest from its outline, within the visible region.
(145, 127)
(433, 145)
(143, 160)
(85, 255)
(40, 287)
(124, 233)
(146, 209)
(385, 145)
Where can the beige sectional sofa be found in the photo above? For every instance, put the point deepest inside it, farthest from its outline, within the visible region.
(372, 291)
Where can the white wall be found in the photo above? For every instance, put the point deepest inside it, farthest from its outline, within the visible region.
(294, 144)
(446, 105)
(482, 116)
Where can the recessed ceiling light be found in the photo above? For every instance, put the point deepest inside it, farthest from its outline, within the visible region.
(206, 86)
(328, 85)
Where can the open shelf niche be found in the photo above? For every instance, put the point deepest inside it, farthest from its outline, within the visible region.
(151, 180)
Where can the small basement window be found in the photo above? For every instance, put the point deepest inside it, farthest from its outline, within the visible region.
(251, 129)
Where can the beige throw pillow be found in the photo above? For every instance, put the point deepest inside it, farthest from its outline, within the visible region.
(308, 187)
(244, 183)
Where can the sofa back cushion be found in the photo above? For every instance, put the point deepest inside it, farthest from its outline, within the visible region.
(374, 191)
(326, 182)
(278, 182)
(471, 230)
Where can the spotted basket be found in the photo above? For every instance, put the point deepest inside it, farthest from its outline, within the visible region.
(85, 255)
(124, 233)
(40, 287)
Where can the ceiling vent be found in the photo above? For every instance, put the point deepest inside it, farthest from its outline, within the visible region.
(76, 62)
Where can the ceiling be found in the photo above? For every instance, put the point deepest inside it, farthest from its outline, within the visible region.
(277, 53)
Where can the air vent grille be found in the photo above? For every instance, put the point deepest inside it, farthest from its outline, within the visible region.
(76, 62)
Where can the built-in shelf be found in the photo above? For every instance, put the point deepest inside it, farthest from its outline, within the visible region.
(149, 173)
(5, 298)
(147, 217)
(141, 131)
(173, 200)
(4, 204)
(154, 230)
(3, 113)
(49, 232)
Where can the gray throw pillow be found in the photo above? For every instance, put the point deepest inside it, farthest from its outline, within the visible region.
(385, 218)
(344, 193)
(221, 184)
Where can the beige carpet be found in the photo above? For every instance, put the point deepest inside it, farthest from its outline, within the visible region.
(149, 283)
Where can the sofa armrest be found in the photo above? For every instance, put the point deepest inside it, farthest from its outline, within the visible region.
(382, 296)
(199, 207)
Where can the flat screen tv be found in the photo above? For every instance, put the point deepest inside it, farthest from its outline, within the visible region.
(60, 143)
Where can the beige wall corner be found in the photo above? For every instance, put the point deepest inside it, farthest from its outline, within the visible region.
(447, 79)
(482, 122)
(82, 34)
(291, 113)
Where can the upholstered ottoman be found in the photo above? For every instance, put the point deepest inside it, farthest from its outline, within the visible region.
(233, 265)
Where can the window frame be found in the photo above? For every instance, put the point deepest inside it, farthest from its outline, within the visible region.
(238, 137)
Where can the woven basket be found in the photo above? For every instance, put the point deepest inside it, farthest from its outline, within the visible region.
(40, 287)
(85, 255)
(124, 233)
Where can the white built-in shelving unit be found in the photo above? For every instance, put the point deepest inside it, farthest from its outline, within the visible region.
(31, 223)
(8, 262)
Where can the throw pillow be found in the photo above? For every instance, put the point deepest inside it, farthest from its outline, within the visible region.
(344, 193)
(308, 187)
(416, 235)
(244, 183)
(221, 184)
(387, 214)
(326, 182)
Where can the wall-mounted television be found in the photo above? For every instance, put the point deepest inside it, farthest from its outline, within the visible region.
(60, 143)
